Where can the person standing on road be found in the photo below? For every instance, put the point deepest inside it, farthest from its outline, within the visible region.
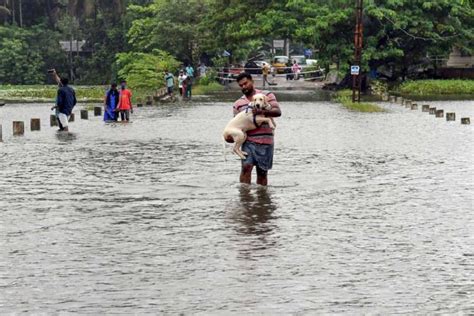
(259, 143)
(189, 81)
(125, 102)
(265, 72)
(169, 78)
(296, 70)
(182, 83)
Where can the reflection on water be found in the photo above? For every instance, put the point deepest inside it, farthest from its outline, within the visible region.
(255, 210)
(365, 213)
(66, 137)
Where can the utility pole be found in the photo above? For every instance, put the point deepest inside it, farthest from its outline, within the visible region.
(356, 76)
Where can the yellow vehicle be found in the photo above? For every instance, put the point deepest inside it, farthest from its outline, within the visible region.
(279, 63)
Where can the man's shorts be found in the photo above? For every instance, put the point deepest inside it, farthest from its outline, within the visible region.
(260, 155)
(63, 119)
(170, 90)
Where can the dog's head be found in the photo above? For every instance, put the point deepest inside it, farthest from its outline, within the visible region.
(260, 101)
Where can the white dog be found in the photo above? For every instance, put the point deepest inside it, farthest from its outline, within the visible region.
(244, 121)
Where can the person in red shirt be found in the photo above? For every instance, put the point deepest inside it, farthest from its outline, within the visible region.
(259, 143)
(125, 102)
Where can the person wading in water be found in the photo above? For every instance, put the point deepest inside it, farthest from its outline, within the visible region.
(259, 143)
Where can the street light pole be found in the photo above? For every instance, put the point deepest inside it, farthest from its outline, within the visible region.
(356, 78)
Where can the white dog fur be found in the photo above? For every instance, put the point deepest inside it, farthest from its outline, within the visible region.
(244, 121)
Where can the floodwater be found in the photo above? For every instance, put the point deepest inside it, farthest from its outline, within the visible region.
(364, 213)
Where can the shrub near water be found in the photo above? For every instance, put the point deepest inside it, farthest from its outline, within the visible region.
(437, 87)
(345, 98)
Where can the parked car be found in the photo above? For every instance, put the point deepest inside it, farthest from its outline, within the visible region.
(279, 63)
(254, 67)
(300, 59)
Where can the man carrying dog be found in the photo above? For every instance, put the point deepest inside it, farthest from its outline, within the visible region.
(259, 143)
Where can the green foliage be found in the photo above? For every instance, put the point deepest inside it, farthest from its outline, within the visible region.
(25, 54)
(48, 93)
(379, 87)
(145, 71)
(208, 88)
(437, 87)
(345, 98)
(171, 26)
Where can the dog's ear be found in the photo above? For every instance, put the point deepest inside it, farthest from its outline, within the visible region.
(266, 104)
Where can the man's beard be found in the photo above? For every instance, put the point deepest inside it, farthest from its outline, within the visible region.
(247, 92)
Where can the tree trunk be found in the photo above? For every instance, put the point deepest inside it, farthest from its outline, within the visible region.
(20, 11)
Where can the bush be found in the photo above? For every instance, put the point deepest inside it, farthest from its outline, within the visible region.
(437, 87)
(144, 71)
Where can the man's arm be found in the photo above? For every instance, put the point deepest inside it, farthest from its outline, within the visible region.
(274, 111)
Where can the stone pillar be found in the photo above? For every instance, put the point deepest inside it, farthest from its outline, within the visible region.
(432, 111)
(84, 114)
(425, 108)
(439, 113)
(450, 116)
(18, 128)
(53, 121)
(97, 111)
(35, 124)
(465, 120)
(149, 100)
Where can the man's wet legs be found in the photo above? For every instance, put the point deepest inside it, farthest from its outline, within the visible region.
(262, 176)
(246, 174)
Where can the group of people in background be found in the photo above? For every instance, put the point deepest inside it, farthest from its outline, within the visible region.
(118, 102)
(185, 81)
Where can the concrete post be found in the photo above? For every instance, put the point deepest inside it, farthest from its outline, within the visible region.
(425, 108)
(84, 114)
(432, 111)
(97, 111)
(149, 100)
(439, 113)
(71, 118)
(450, 116)
(53, 121)
(35, 124)
(413, 106)
(465, 120)
(18, 128)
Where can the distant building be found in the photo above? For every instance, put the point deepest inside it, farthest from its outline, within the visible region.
(459, 60)
(74, 46)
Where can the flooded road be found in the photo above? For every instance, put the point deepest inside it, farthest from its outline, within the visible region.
(364, 213)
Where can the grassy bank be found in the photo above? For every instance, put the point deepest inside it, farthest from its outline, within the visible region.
(47, 93)
(208, 88)
(345, 98)
(437, 87)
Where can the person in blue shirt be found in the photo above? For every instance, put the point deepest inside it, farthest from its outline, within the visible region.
(111, 101)
(169, 79)
(65, 101)
(189, 83)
